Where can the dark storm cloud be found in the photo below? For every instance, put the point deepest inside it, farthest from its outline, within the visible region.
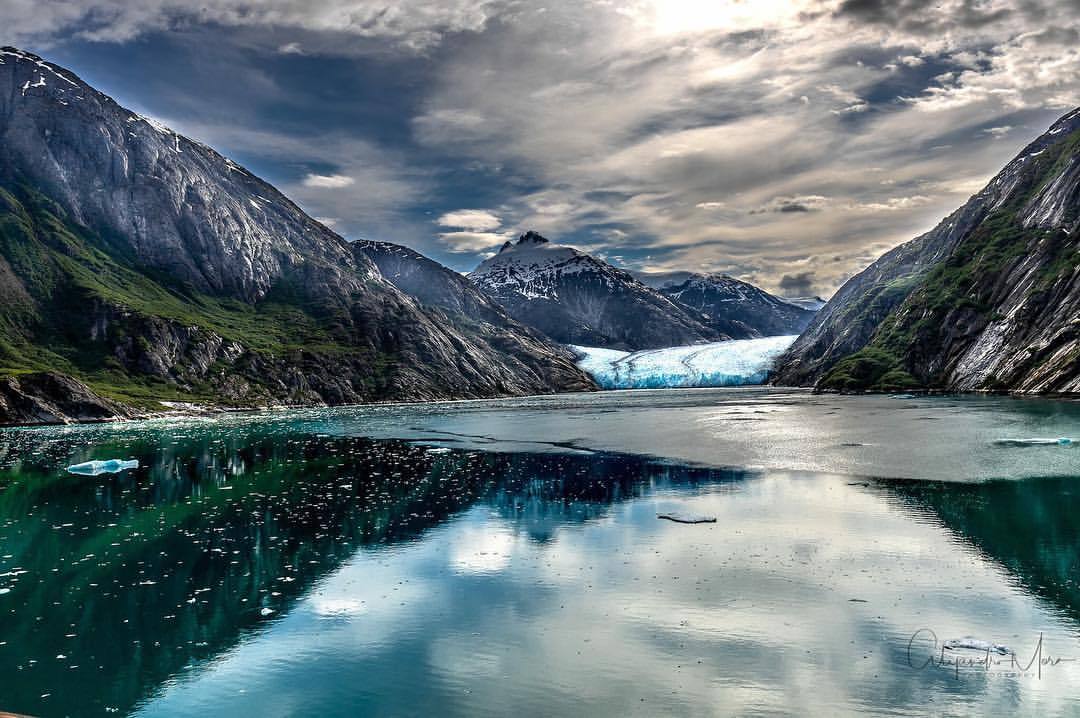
(802, 284)
(923, 16)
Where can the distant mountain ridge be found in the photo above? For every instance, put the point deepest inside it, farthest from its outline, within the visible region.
(575, 298)
(731, 306)
(150, 267)
(987, 300)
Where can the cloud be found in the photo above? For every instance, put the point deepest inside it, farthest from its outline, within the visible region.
(477, 220)
(414, 25)
(732, 136)
(798, 285)
(474, 242)
(892, 204)
(805, 203)
(328, 181)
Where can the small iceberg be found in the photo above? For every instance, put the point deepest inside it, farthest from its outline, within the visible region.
(681, 518)
(1061, 441)
(976, 644)
(112, 466)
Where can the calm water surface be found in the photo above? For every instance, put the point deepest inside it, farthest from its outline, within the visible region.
(489, 558)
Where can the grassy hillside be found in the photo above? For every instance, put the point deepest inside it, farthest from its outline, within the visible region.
(67, 303)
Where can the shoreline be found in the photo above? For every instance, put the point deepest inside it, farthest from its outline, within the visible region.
(189, 410)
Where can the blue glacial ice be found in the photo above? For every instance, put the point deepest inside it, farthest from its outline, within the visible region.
(94, 468)
(730, 363)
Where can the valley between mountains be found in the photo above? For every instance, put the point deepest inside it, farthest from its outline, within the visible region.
(141, 270)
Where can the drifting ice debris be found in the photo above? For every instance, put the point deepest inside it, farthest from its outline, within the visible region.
(112, 466)
(975, 644)
(687, 518)
(1062, 441)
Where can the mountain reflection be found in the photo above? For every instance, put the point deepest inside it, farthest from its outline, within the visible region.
(115, 584)
(1030, 527)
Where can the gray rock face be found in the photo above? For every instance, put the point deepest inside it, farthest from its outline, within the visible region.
(732, 307)
(987, 300)
(177, 205)
(131, 252)
(50, 398)
(429, 282)
(459, 303)
(575, 298)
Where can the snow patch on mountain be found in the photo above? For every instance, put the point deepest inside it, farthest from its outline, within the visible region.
(533, 266)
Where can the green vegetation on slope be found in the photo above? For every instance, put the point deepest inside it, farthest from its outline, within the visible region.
(57, 278)
(960, 288)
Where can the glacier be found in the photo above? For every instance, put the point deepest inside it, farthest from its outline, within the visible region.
(730, 363)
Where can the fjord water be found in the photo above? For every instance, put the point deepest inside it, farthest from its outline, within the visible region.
(487, 558)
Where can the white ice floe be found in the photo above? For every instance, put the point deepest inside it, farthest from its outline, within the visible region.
(975, 644)
(730, 363)
(1061, 441)
(112, 466)
(682, 518)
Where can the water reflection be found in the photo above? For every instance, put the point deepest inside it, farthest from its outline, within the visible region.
(1032, 528)
(269, 570)
(139, 576)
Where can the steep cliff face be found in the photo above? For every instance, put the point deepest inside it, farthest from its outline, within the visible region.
(732, 307)
(151, 267)
(988, 300)
(576, 298)
(456, 302)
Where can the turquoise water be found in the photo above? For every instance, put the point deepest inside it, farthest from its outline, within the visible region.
(487, 558)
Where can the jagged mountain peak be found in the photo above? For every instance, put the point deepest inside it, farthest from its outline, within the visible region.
(527, 240)
(532, 239)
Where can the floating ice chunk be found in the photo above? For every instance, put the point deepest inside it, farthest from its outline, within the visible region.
(1062, 441)
(682, 518)
(266, 612)
(730, 363)
(975, 644)
(112, 466)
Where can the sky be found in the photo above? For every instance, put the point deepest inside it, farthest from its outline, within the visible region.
(785, 143)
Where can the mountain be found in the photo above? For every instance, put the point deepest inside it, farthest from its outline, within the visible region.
(575, 298)
(812, 303)
(732, 307)
(148, 266)
(987, 300)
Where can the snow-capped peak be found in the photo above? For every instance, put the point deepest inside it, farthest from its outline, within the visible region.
(525, 241)
(531, 266)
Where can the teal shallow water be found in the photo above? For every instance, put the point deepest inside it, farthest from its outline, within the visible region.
(508, 559)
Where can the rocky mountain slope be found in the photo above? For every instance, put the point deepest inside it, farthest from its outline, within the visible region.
(732, 307)
(576, 298)
(151, 267)
(987, 300)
